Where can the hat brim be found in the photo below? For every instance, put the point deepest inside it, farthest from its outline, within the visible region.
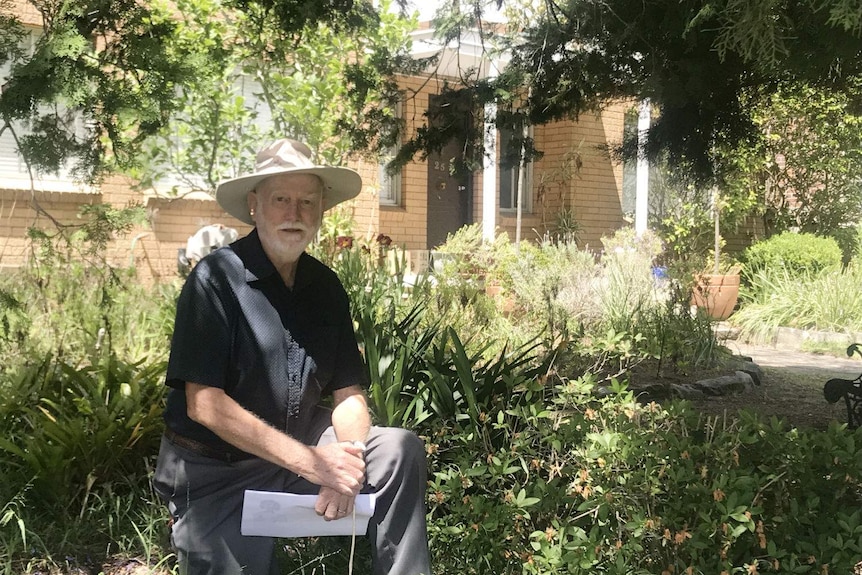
(339, 185)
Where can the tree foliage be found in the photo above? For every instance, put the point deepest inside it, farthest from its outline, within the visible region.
(806, 168)
(127, 69)
(698, 61)
(104, 78)
(325, 83)
(100, 79)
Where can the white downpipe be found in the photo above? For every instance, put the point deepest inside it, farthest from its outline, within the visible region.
(489, 168)
(522, 182)
(642, 180)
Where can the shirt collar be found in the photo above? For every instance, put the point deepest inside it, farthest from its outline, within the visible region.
(258, 266)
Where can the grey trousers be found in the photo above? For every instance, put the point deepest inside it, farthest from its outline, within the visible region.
(205, 496)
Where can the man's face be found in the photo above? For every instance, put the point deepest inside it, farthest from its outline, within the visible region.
(287, 210)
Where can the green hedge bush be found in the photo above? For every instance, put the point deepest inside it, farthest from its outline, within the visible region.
(581, 485)
(797, 254)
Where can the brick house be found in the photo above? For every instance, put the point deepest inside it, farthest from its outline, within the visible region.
(417, 209)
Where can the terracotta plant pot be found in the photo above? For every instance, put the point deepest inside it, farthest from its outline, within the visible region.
(504, 302)
(716, 294)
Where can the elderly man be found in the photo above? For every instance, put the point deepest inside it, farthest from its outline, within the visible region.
(262, 333)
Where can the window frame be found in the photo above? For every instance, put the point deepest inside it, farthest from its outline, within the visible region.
(13, 170)
(389, 186)
(511, 177)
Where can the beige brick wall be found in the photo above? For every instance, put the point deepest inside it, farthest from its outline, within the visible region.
(593, 192)
(20, 210)
(365, 209)
(25, 11)
(151, 248)
(407, 223)
(172, 222)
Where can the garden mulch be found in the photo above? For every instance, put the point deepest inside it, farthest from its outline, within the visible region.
(791, 388)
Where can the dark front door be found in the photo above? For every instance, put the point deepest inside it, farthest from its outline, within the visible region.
(449, 190)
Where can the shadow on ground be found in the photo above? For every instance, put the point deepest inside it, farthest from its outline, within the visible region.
(791, 387)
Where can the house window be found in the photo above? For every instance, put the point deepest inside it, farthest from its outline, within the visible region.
(14, 173)
(389, 187)
(510, 174)
(630, 168)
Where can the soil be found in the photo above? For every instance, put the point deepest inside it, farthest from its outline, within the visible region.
(791, 387)
(787, 393)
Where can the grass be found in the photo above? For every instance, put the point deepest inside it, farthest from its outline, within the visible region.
(832, 348)
(825, 301)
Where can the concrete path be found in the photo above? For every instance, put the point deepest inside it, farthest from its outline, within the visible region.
(826, 365)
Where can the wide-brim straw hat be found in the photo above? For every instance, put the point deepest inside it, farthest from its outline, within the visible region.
(287, 156)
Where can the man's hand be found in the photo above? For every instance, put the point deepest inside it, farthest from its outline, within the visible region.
(333, 505)
(339, 467)
(351, 422)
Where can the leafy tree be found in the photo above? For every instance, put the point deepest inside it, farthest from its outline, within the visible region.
(256, 81)
(699, 61)
(100, 79)
(806, 169)
(120, 66)
(104, 77)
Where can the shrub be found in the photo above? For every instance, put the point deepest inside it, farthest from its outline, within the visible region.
(81, 396)
(74, 447)
(627, 291)
(554, 286)
(560, 481)
(73, 311)
(586, 485)
(832, 302)
(797, 254)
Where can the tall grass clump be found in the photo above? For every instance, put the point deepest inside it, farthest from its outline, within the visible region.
(81, 398)
(798, 281)
(74, 447)
(829, 300)
(628, 291)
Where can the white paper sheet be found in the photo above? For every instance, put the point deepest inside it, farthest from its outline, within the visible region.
(275, 514)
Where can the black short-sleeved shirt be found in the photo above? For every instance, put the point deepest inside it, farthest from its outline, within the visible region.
(273, 349)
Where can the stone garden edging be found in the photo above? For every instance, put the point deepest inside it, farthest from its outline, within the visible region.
(746, 377)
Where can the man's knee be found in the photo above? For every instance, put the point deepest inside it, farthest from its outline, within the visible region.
(398, 439)
(397, 447)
